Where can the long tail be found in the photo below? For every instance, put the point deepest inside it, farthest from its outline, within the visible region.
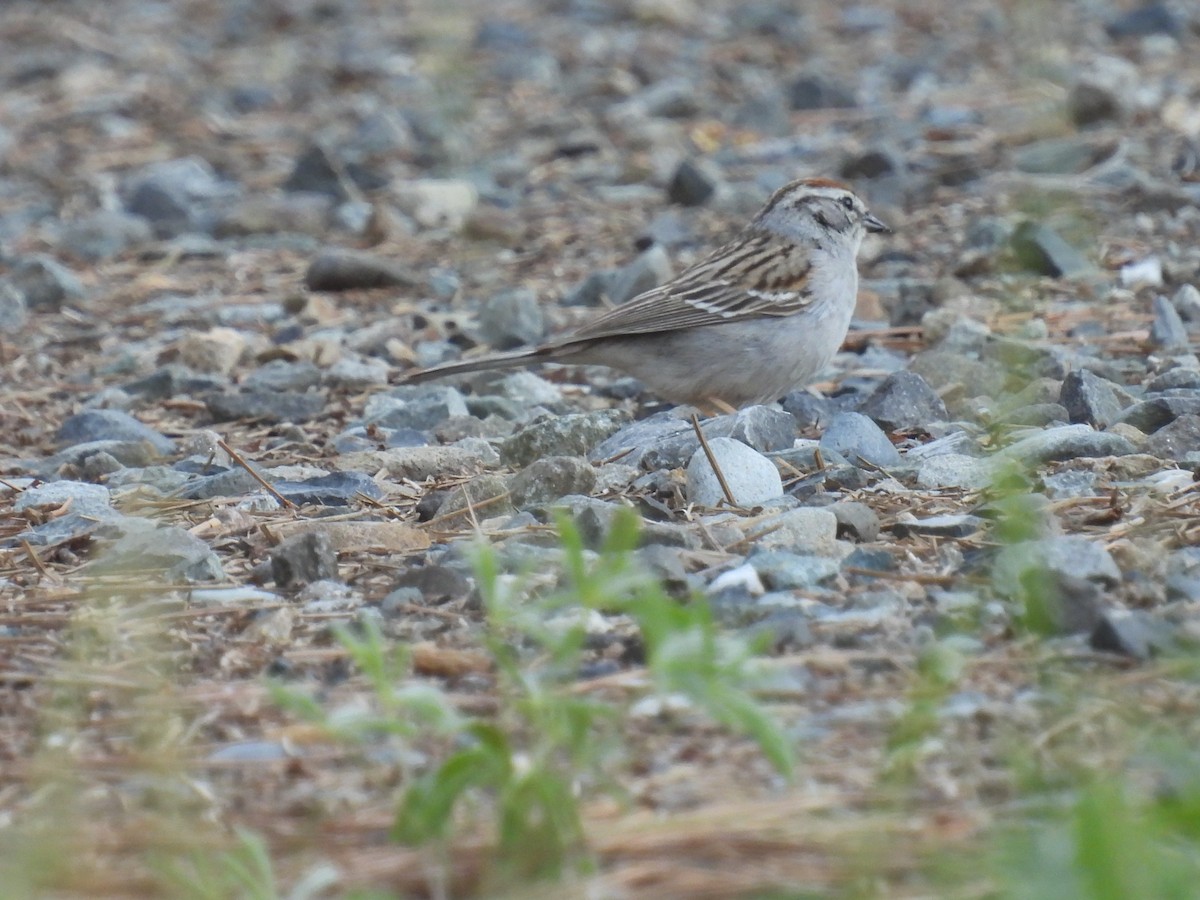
(509, 360)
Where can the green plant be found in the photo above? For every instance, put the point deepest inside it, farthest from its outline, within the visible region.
(939, 668)
(1109, 847)
(406, 709)
(244, 872)
(548, 742)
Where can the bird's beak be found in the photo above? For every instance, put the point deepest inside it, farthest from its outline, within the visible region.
(875, 226)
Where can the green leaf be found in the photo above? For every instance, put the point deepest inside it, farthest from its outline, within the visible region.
(428, 804)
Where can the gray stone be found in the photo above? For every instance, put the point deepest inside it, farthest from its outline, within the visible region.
(164, 479)
(670, 98)
(1065, 442)
(1089, 102)
(666, 441)
(809, 410)
(104, 235)
(356, 373)
(354, 216)
(809, 456)
(875, 162)
(589, 292)
(872, 559)
(806, 529)
(1059, 156)
(784, 629)
(1187, 302)
(765, 428)
(81, 508)
(783, 571)
(648, 270)
(110, 425)
(944, 369)
(265, 406)
(436, 585)
(751, 477)
(1037, 414)
(947, 526)
(283, 375)
(338, 269)
(512, 319)
(955, 471)
(527, 389)
(169, 193)
(1069, 555)
(140, 547)
(335, 489)
(1143, 20)
(1150, 415)
(904, 401)
(549, 479)
(13, 314)
(1168, 330)
(303, 559)
(419, 406)
(691, 184)
(592, 517)
(127, 453)
(415, 463)
(855, 521)
(1176, 439)
(1040, 249)
(230, 483)
(1137, 634)
(45, 283)
(572, 435)
(764, 108)
(1024, 359)
(1174, 379)
(1183, 575)
(1069, 483)
(813, 91)
(316, 172)
(1089, 398)
(483, 497)
(264, 214)
(173, 381)
(252, 752)
(860, 440)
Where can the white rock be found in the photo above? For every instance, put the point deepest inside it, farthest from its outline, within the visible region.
(752, 478)
(956, 470)
(438, 202)
(743, 576)
(802, 530)
(1147, 272)
(215, 352)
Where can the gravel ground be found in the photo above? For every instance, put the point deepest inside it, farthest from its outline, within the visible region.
(225, 228)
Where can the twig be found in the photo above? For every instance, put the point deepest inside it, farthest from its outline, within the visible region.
(712, 461)
(471, 508)
(267, 486)
(33, 558)
(904, 576)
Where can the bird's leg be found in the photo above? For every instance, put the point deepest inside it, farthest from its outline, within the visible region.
(715, 406)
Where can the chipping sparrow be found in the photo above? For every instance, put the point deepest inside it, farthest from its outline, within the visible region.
(760, 316)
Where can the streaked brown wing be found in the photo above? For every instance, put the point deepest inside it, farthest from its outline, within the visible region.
(715, 290)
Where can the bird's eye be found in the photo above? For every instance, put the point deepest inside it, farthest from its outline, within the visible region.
(848, 202)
